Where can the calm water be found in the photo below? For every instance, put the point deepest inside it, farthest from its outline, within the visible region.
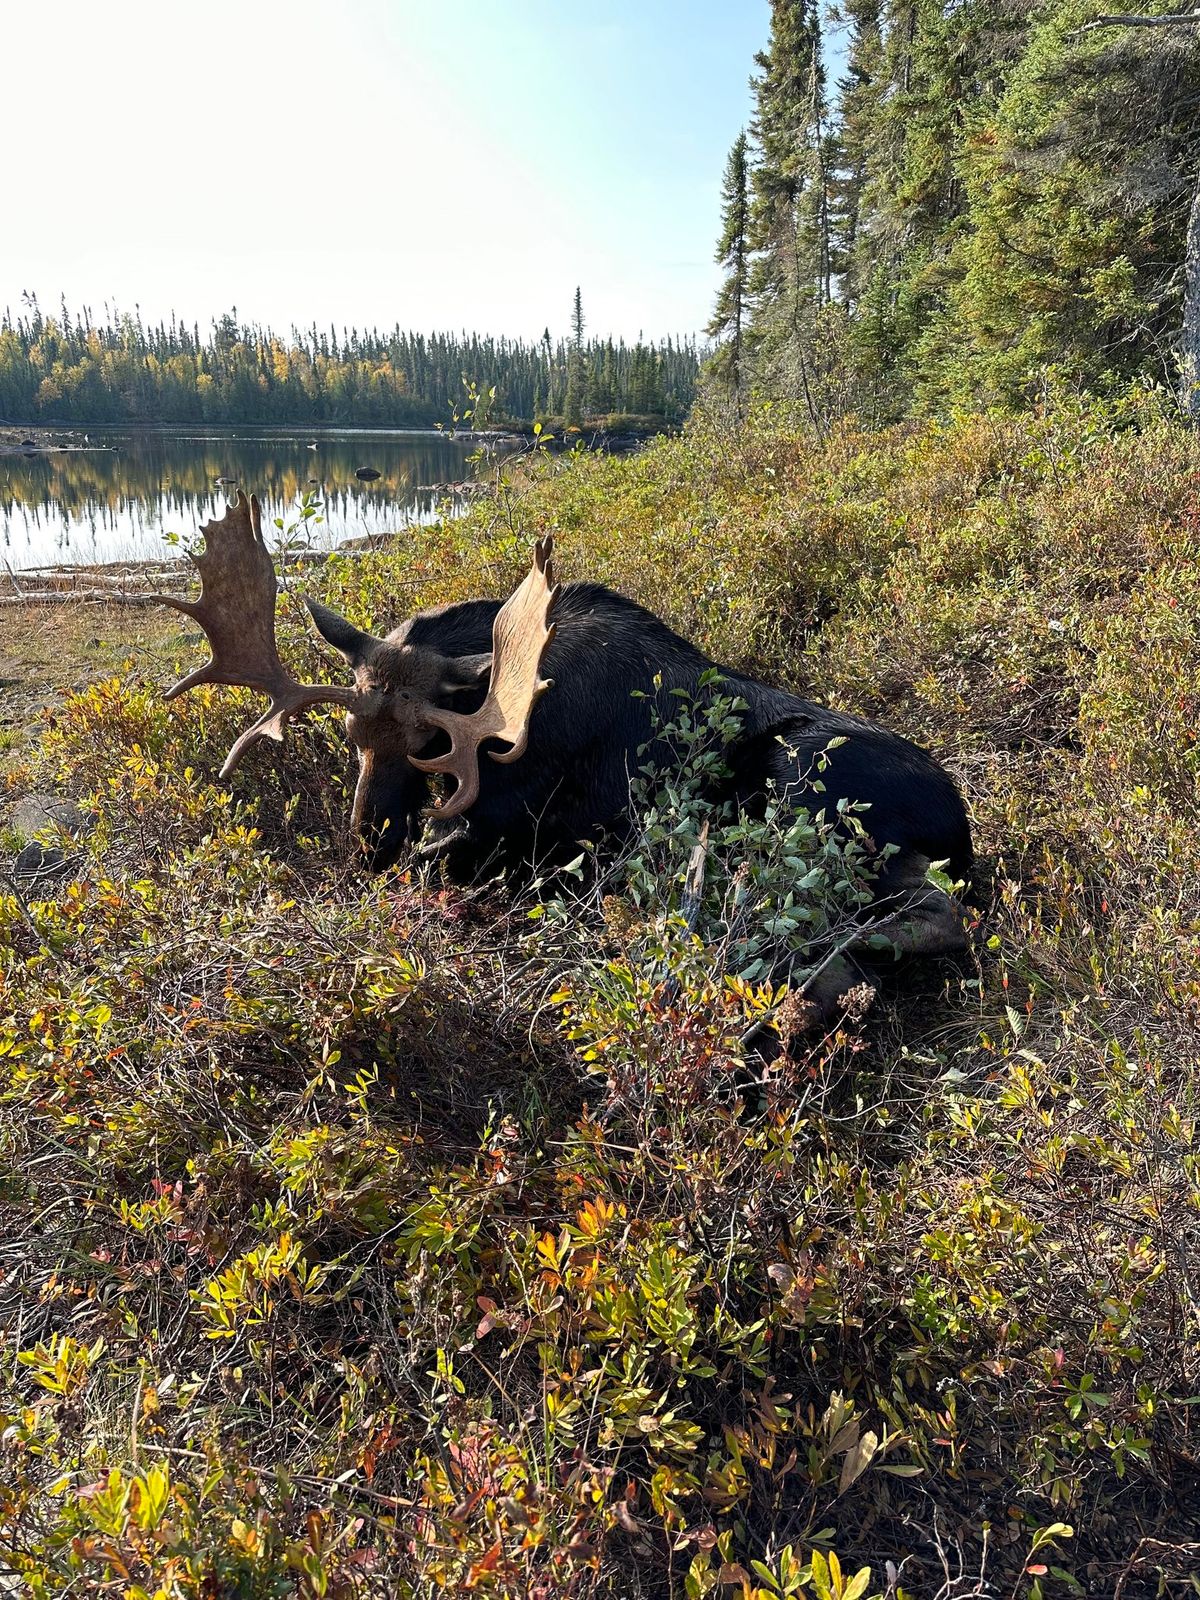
(116, 504)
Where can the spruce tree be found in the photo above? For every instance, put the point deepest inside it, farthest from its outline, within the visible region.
(1182, 26)
(943, 72)
(576, 372)
(1079, 207)
(791, 279)
(729, 316)
(859, 152)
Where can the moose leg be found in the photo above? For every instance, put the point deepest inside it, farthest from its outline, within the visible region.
(933, 928)
(919, 920)
(825, 988)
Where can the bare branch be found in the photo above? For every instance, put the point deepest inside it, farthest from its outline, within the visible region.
(66, 597)
(1179, 19)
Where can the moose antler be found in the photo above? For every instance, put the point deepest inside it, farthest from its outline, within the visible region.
(236, 609)
(521, 635)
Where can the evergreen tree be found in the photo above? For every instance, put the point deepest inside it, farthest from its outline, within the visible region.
(1003, 190)
(729, 316)
(64, 370)
(573, 401)
(1078, 204)
(857, 150)
(1180, 28)
(791, 278)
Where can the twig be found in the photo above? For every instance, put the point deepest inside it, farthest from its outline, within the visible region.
(693, 883)
(1137, 1559)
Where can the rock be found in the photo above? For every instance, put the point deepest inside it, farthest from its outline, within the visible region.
(367, 474)
(44, 814)
(39, 861)
(38, 812)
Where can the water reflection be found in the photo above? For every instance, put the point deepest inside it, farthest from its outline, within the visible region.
(116, 504)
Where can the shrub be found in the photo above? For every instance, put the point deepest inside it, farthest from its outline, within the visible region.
(389, 1238)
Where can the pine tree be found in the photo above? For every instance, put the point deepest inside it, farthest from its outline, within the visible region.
(124, 371)
(733, 254)
(859, 152)
(942, 73)
(1181, 29)
(1078, 203)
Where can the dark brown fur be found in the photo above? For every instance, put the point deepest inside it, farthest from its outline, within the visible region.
(585, 737)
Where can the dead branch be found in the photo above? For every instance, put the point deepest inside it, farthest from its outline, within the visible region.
(65, 597)
(1178, 19)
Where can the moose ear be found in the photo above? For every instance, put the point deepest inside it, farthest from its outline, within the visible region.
(465, 672)
(342, 635)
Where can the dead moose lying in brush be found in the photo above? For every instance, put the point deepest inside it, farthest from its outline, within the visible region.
(428, 696)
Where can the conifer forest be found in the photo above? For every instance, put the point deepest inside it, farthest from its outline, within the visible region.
(988, 197)
(68, 368)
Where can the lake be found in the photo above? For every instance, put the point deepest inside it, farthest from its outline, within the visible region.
(116, 502)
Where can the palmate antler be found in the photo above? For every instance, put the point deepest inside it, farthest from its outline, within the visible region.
(236, 609)
(521, 635)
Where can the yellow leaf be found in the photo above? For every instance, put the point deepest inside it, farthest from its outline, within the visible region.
(857, 1461)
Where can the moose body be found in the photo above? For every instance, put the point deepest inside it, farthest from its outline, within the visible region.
(465, 679)
(593, 733)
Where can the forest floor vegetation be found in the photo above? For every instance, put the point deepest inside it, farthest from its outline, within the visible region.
(384, 1237)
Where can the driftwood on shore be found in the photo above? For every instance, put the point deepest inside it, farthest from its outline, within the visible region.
(66, 597)
(59, 586)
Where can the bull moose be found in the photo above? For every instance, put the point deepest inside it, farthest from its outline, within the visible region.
(427, 697)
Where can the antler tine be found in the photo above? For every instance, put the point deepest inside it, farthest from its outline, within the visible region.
(521, 635)
(236, 610)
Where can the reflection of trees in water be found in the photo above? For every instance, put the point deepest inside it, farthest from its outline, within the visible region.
(112, 501)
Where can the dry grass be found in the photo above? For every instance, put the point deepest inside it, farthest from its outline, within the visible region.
(46, 650)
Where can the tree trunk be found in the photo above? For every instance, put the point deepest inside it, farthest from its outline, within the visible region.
(1189, 354)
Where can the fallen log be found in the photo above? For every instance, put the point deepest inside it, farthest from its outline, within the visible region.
(66, 597)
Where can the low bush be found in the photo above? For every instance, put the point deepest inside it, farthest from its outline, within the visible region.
(389, 1238)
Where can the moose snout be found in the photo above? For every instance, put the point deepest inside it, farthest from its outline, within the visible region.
(386, 816)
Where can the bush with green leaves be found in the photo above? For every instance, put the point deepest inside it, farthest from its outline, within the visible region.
(774, 894)
(387, 1238)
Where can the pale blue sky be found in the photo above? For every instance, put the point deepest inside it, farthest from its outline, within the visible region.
(368, 161)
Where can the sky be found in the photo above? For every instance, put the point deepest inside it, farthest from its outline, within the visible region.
(444, 164)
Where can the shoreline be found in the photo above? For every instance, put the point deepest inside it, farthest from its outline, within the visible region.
(41, 441)
(34, 584)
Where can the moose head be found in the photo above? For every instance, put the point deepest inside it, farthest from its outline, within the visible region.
(397, 707)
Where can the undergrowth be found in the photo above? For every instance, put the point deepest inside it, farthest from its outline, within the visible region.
(385, 1237)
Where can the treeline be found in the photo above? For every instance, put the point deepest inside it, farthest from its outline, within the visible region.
(995, 195)
(69, 368)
